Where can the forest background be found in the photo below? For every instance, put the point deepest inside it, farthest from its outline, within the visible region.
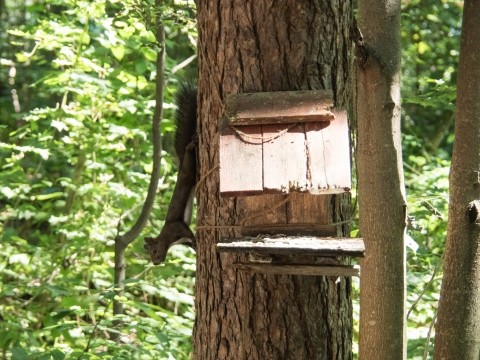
(77, 96)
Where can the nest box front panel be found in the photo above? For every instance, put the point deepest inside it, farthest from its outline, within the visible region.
(293, 153)
(284, 154)
(328, 148)
(241, 161)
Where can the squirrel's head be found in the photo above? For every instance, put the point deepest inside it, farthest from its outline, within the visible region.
(173, 233)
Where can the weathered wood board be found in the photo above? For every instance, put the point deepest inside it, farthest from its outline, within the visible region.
(264, 252)
(284, 169)
(241, 164)
(328, 149)
(280, 107)
(295, 245)
(289, 214)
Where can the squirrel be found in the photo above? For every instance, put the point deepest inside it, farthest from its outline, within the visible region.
(176, 230)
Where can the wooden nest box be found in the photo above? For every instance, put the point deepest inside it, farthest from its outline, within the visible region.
(284, 143)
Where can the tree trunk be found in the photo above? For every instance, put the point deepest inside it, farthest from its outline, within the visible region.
(380, 182)
(458, 324)
(254, 46)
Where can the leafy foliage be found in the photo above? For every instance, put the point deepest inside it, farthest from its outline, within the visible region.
(430, 36)
(75, 159)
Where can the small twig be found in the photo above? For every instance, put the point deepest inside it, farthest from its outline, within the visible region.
(183, 64)
(94, 330)
(434, 319)
(435, 271)
(429, 335)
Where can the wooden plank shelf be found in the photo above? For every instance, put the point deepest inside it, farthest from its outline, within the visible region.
(294, 245)
(312, 270)
(279, 107)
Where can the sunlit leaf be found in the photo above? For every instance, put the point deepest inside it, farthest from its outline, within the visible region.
(23, 259)
(118, 52)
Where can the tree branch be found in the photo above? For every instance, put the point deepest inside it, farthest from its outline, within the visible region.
(122, 241)
(127, 238)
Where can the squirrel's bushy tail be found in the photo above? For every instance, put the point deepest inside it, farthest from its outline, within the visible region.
(185, 117)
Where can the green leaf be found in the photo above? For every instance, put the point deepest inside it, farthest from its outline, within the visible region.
(59, 125)
(85, 38)
(57, 354)
(50, 196)
(433, 17)
(423, 47)
(7, 192)
(118, 52)
(23, 259)
(19, 353)
(150, 54)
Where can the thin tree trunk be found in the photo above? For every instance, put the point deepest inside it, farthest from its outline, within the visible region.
(122, 241)
(380, 182)
(253, 46)
(458, 325)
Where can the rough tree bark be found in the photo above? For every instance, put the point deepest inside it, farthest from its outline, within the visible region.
(253, 46)
(380, 181)
(458, 324)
